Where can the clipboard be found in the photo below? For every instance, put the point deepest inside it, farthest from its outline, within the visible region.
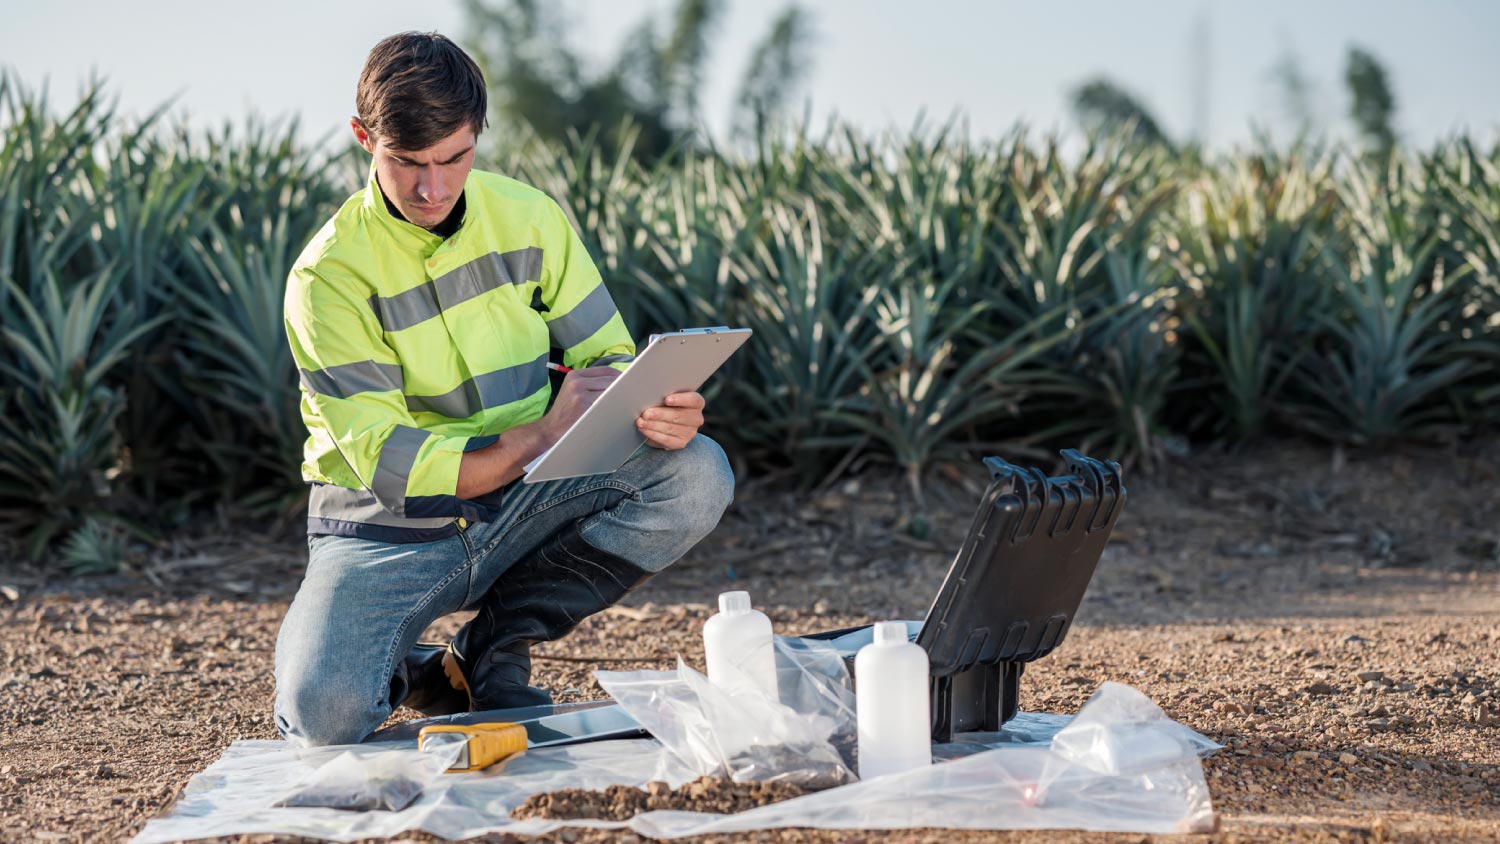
(605, 436)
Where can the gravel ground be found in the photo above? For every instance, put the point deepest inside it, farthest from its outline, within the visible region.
(1333, 619)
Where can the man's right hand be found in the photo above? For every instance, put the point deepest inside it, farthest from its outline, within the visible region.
(486, 469)
(580, 389)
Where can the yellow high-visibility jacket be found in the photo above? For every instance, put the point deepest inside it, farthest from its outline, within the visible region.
(413, 349)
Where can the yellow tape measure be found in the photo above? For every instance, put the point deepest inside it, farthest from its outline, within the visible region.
(483, 744)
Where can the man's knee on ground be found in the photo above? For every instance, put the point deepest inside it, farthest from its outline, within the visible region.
(314, 711)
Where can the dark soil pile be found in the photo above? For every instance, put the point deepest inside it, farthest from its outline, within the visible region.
(621, 803)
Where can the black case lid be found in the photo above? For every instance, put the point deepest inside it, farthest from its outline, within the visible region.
(1020, 575)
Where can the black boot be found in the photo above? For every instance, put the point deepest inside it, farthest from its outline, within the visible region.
(425, 684)
(540, 598)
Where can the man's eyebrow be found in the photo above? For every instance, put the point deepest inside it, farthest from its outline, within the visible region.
(404, 160)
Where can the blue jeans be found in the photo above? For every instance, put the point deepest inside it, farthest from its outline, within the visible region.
(363, 603)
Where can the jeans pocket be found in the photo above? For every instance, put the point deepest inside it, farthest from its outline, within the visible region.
(602, 491)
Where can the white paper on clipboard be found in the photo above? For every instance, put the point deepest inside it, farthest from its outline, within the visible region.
(605, 436)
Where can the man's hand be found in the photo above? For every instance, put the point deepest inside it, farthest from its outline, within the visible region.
(580, 389)
(489, 468)
(674, 424)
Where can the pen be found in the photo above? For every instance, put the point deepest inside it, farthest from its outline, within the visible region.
(557, 367)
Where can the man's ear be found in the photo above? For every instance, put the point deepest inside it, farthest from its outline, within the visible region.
(361, 135)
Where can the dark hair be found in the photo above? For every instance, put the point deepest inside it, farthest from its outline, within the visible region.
(418, 88)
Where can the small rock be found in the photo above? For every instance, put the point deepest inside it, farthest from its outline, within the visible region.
(1348, 758)
(1379, 725)
(831, 502)
(1367, 676)
(1321, 688)
(1421, 765)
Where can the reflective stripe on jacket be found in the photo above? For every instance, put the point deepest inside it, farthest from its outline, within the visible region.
(413, 349)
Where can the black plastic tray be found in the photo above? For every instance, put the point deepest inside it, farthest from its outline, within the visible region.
(1014, 586)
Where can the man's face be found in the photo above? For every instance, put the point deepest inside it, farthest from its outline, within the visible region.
(424, 184)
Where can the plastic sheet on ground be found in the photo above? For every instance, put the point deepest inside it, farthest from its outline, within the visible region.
(1120, 766)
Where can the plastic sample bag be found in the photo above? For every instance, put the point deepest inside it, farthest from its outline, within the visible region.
(1121, 731)
(388, 781)
(741, 733)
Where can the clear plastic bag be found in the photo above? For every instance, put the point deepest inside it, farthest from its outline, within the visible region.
(743, 734)
(361, 782)
(1120, 731)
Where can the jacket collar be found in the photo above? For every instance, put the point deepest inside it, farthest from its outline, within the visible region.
(407, 233)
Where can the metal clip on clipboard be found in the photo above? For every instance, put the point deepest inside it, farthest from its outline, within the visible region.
(652, 338)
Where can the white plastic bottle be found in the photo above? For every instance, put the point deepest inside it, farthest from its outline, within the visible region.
(737, 647)
(892, 704)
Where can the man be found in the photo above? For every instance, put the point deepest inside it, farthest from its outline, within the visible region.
(421, 318)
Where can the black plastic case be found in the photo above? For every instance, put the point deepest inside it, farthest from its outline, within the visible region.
(1014, 587)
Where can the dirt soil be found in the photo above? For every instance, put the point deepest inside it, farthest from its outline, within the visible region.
(1333, 619)
(623, 802)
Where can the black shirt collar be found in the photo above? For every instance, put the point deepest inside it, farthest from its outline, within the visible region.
(446, 228)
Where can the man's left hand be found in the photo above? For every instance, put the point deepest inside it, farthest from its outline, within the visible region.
(674, 424)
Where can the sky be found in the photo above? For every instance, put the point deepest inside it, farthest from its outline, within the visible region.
(1203, 67)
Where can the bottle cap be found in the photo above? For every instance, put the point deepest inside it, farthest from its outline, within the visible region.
(890, 632)
(734, 602)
